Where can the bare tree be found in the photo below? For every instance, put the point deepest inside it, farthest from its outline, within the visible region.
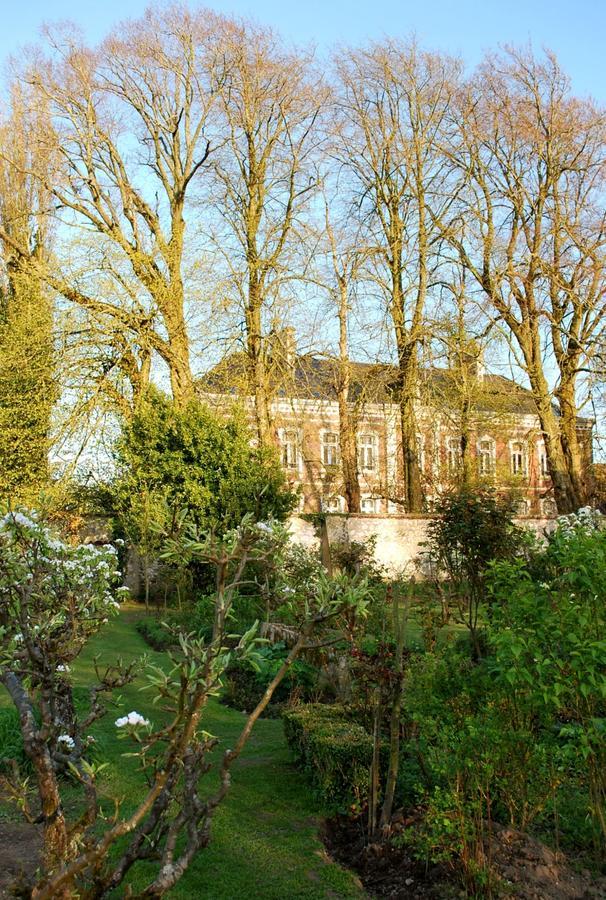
(534, 239)
(345, 258)
(270, 99)
(394, 100)
(132, 125)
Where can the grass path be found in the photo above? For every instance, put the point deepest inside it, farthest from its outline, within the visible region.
(265, 836)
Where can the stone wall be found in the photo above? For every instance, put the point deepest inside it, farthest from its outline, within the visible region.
(399, 538)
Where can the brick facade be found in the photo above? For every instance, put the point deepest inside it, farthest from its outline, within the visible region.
(506, 445)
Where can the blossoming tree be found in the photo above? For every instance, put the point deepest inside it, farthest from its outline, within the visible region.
(53, 598)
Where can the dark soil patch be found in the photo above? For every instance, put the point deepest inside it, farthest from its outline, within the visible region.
(20, 846)
(385, 870)
(522, 866)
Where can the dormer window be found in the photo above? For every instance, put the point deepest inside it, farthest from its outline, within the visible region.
(367, 452)
(330, 449)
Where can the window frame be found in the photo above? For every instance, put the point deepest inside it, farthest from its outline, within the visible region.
(523, 452)
(453, 446)
(420, 448)
(340, 503)
(367, 498)
(363, 446)
(542, 460)
(492, 456)
(324, 446)
(284, 444)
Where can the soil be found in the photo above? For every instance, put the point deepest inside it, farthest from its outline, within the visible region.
(523, 867)
(20, 846)
(532, 871)
(385, 870)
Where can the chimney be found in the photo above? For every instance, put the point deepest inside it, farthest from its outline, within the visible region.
(283, 350)
(469, 358)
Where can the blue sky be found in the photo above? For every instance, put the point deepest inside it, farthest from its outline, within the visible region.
(575, 31)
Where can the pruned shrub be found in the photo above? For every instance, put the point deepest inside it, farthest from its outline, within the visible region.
(335, 752)
(156, 634)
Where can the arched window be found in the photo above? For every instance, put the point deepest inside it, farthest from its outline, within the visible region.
(367, 452)
(487, 457)
(333, 504)
(369, 505)
(519, 459)
(331, 455)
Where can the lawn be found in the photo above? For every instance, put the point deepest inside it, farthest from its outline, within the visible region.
(265, 837)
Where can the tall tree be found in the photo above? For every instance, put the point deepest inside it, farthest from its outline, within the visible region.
(132, 125)
(394, 100)
(346, 256)
(270, 98)
(534, 158)
(27, 382)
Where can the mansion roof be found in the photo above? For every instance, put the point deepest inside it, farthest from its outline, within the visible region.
(317, 377)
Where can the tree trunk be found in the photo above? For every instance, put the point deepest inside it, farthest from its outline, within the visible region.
(566, 497)
(56, 842)
(257, 367)
(347, 428)
(573, 453)
(408, 419)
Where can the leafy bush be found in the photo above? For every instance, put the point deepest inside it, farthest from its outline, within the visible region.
(518, 736)
(245, 684)
(550, 650)
(189, 458)
(471, 529)
(155, 633)
(335, 752)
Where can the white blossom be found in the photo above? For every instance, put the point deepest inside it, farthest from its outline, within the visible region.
(133, 718)
(67, 740)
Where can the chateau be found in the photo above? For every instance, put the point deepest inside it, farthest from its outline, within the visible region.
(505, 446)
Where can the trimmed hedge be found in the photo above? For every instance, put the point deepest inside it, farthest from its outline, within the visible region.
(155, 633)
(335, 752)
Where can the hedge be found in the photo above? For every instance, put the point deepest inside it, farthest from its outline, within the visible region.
(335, 752)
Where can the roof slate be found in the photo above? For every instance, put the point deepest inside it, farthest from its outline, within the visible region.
(316, 377)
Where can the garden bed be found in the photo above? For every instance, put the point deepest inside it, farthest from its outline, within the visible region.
(522, 866)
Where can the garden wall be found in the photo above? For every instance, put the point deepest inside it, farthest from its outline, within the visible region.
(399, 538)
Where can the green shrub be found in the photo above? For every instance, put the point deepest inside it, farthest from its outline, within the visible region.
(11, 741)
(245, 684)
(335, 752)
(156, 634)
